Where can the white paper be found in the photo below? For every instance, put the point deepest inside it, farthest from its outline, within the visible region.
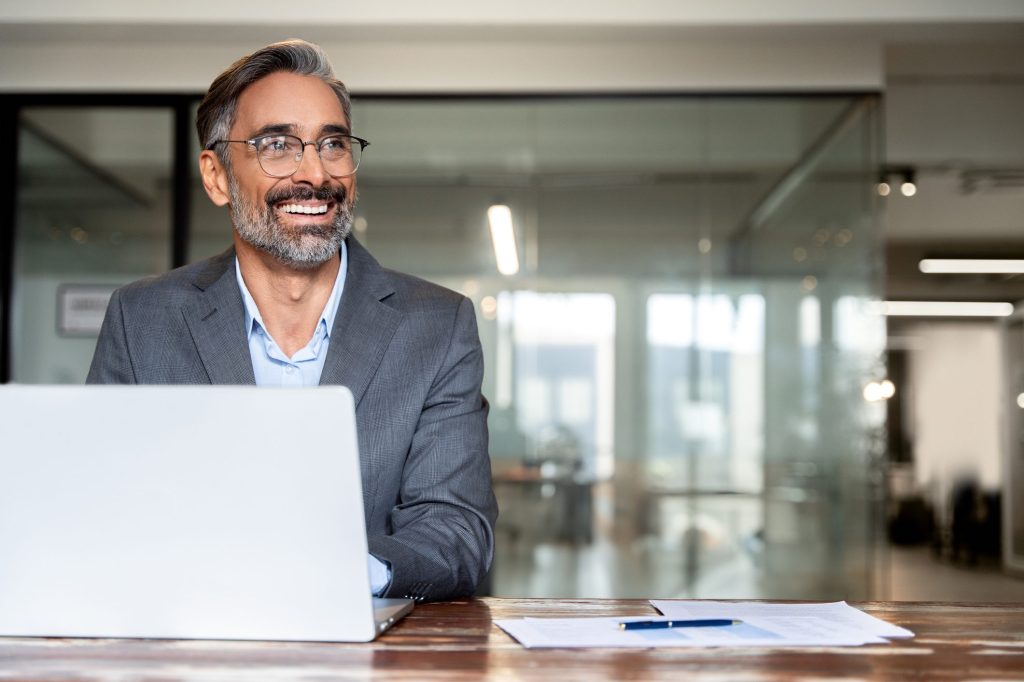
(755, 631)
(836, 612)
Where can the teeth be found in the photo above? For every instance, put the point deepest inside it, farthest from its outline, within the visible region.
(308, 210)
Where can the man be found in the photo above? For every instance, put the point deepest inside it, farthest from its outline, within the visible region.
(297, 301)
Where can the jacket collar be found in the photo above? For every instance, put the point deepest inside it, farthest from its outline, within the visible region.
(363, 326)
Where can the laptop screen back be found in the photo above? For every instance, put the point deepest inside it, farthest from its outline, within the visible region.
(182, 512)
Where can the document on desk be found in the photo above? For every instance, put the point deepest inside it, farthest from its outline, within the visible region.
(756, 627)
(836, 612)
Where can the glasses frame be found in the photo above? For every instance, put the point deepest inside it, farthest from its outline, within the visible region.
(363, 144)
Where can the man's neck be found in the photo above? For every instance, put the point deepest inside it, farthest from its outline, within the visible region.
(290, 301)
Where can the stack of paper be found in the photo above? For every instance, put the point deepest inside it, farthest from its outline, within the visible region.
(757, 625)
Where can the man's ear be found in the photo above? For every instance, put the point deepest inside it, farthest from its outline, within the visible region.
(215, 177)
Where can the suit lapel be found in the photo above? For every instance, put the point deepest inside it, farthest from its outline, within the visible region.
(217, 323)
(364, 325)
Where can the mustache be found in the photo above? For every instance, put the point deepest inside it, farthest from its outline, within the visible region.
(305, 193)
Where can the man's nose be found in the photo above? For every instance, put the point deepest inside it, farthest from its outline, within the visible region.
(311, 168)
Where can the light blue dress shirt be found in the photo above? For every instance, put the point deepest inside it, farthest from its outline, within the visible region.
(272, 367)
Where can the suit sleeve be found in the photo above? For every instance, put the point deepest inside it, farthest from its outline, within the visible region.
(442, 538)
(110, 362)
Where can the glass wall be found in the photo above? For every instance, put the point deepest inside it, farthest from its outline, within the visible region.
(1013, 488)
(93, 212)
(675, 370)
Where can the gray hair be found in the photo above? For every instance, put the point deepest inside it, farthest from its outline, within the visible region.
(216, 112)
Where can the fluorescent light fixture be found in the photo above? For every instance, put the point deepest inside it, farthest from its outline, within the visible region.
(946, 309)
(504, 239)
(962, 266)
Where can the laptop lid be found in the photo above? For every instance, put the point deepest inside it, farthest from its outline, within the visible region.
(182, 512)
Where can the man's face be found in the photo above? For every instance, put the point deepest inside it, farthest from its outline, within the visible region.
(301, 220)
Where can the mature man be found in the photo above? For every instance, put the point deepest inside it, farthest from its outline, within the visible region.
(297, 301)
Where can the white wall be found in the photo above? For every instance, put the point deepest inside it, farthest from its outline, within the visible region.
(449, 66)
(956, 373)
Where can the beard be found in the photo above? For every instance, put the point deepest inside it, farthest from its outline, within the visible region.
(302, 247)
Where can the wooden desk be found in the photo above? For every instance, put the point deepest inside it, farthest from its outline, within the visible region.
(457, 641)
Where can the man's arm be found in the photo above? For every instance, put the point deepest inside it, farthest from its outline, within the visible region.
(442, 538)
(110, 361)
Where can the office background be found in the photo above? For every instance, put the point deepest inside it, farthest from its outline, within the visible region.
(688, 369)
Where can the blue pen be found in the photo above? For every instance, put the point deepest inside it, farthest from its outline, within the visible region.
(659, 624)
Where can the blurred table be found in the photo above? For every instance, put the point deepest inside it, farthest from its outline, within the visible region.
(457, 641)
(539, 505)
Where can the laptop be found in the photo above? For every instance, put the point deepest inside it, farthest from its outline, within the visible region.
(184, 512)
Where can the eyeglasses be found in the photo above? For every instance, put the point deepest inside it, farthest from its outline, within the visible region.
(280, 155)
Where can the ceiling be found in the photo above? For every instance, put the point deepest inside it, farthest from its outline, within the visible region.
(954, 113)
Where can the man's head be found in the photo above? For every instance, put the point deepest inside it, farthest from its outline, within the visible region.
(286, 88)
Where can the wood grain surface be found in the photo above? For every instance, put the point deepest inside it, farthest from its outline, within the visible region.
(457, 641)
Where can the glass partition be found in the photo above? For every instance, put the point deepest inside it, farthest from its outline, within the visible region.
(1013, 471)
(676, 368)
(93, 212)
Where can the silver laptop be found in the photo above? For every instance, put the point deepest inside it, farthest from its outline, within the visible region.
(186, 512)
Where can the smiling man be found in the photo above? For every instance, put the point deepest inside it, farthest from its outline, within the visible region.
(297, 301)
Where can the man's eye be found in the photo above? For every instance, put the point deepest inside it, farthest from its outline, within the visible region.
(334, 144)
(276, 145)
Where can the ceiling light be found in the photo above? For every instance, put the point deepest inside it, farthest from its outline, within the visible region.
(888, 389)
(908, 187)
(946, 309)
(907, 183)
(503, 237)
(877, 391)
(1007, 266)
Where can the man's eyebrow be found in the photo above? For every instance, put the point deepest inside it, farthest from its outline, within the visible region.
(334, 129)
(291, 128)
(275, 128)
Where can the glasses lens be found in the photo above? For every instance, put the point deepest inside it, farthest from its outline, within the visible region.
(340, 155)
(279, 155)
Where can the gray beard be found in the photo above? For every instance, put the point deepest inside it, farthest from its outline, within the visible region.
(304, 247)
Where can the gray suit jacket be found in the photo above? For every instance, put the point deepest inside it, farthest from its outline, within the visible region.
(409, 352)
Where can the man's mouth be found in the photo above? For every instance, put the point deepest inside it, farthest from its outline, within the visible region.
(304, 209)
(306, 201)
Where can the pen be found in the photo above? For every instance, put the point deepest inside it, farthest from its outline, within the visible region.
(658, 624)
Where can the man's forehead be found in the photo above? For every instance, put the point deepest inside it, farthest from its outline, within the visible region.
(288, 100)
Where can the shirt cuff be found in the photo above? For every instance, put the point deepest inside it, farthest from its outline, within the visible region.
(380, 575)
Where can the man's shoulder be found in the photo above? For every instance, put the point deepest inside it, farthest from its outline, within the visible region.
(415, 294)
(399, 290)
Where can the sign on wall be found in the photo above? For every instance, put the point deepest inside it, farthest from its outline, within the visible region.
(81, 307)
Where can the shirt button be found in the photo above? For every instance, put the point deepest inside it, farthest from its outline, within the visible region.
(290, 369)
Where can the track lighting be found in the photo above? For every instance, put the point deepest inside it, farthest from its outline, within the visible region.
(906, 176)
(908, 187)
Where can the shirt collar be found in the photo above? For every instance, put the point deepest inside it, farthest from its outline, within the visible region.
(252, 313)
